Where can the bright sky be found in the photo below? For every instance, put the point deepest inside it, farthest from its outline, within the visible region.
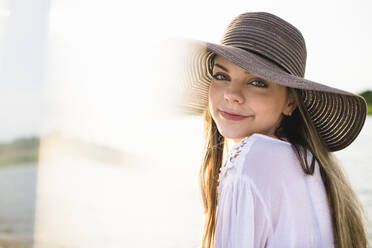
(91, 60)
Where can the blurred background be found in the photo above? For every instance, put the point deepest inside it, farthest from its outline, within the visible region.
(93, 152)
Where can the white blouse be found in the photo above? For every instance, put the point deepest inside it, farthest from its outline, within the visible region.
(266, 200)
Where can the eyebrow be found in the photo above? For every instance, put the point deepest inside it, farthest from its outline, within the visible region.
(225, 69)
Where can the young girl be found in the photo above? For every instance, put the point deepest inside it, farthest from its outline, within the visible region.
(280, 184)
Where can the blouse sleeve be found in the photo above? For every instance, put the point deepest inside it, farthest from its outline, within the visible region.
(242, 219)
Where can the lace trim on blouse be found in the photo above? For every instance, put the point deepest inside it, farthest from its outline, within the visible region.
(230, 160)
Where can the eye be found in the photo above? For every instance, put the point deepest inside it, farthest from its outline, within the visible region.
(219, 76)
(259, 83)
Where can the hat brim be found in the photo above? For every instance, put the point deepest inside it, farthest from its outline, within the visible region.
(338, 115)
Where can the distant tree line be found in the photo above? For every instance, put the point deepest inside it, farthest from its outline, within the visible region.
(20, 151)
(367, 95)
(26, 150)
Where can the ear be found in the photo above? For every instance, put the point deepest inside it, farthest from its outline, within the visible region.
(290, 105)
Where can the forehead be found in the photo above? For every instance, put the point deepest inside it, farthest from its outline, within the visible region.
(227, 65)
(220, 59)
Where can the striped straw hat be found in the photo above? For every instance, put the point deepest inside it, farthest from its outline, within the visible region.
(275, 50)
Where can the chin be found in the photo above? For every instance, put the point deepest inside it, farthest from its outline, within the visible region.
(232, 134)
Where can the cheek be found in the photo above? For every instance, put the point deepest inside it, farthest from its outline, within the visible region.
(214, 95)
(267, 107)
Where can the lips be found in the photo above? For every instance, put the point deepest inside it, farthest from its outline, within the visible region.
(232, 113)
(232, 116)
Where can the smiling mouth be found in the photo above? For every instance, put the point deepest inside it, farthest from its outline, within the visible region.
(233, 117)
(232, 113)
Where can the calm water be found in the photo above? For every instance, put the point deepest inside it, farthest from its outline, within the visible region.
(155, 204)
(17, 203)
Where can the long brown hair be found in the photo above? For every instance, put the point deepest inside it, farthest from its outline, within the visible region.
(348, 217)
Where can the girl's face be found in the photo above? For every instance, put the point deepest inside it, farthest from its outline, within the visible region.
(260, 103)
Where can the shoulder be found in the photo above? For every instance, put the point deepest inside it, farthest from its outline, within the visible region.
(269, 159)
(264, 148)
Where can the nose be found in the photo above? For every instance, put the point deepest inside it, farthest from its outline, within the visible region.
(233, 94)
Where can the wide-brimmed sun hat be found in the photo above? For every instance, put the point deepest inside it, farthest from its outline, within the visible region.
(270, 47)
